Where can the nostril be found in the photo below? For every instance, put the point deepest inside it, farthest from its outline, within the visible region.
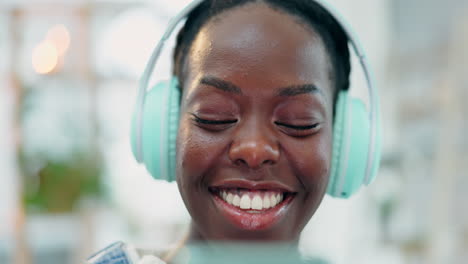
(240, 162)
(253, 154)
(252, 165)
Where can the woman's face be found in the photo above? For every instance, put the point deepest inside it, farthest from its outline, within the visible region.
(254, 143)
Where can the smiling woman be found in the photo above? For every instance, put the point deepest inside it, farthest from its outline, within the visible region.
(253, 148)
(256, 130)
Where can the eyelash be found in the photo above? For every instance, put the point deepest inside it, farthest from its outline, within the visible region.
(212, 122)
(227, 122)
(297, 127)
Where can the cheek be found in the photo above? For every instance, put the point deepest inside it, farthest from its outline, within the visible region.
(313, 161)
(197, 153)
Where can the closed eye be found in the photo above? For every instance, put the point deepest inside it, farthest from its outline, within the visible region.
(297, 127)
(212, 122)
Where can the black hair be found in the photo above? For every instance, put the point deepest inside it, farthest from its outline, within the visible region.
(308, 11)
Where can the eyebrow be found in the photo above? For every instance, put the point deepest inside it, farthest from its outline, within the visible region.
(285, 91)
(299, 89)
(221, 84)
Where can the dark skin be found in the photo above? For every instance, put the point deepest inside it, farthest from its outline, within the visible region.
(261, 78)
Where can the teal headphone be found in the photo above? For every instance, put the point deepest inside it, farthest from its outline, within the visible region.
(356, 131)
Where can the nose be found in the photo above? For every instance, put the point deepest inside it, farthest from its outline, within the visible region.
(254, 147)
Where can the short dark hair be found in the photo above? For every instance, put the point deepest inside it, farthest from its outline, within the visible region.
(309, 12)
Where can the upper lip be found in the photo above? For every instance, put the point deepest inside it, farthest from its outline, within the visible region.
(253, 185)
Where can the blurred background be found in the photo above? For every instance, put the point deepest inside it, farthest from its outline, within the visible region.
(70, 186)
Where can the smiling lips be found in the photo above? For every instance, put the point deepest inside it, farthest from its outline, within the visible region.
(255, 200)
(252, 209)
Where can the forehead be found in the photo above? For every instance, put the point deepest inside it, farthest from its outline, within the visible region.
(261, 45)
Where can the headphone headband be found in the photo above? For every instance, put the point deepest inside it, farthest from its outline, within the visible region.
(352, 38)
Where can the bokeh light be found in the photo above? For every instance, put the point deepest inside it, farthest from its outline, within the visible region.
(45, 57)
(60, 37)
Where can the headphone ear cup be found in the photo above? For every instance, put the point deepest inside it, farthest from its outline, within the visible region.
(376, 153)
(351, 135)
(159, 130)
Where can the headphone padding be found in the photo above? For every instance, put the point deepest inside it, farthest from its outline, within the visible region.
(338, 127)
(350, 147)
(159, 130)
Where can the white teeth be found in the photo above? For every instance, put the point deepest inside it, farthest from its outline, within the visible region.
(257, 203)
(245, 202)
(260, 200)
(272, 201)
(229, 198)
(279, 198)
(236, 200)
(266, 202)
